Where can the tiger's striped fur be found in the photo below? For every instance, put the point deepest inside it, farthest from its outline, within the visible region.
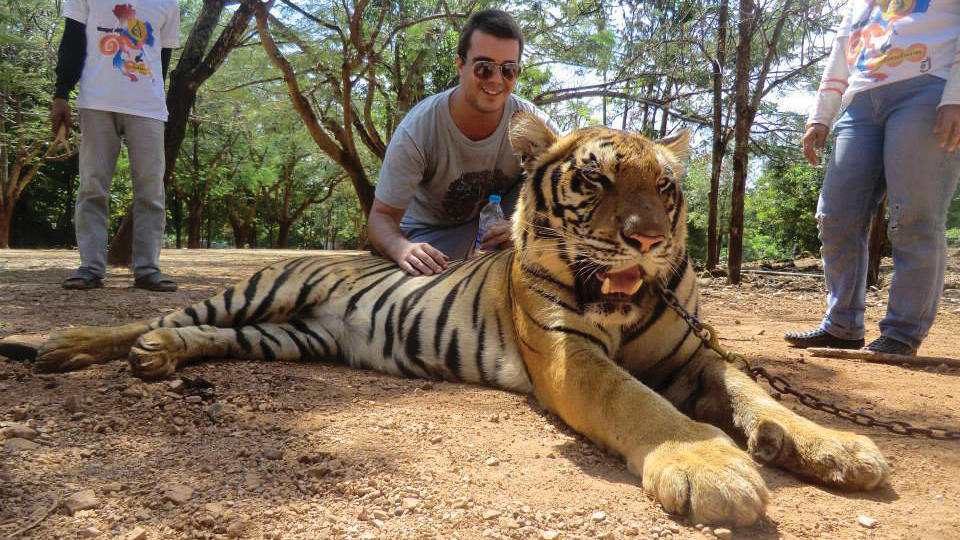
(569, 314)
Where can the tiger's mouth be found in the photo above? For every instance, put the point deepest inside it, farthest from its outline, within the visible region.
(605, 286)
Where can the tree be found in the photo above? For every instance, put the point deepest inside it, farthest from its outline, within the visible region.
(26, 53)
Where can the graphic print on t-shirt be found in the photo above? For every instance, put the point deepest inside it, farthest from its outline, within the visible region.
(126, 42)
(869, 47)
(468, 193)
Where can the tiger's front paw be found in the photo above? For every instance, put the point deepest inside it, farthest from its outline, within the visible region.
(154, 355)
(710, 480)
(838, 458)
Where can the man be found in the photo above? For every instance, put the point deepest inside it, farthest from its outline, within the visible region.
(895, 71)
(450, 153)
(119, 54)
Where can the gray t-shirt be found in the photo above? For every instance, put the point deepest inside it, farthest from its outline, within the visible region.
(439, 175)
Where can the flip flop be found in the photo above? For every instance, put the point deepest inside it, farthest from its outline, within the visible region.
(156, 282)
(82, 280)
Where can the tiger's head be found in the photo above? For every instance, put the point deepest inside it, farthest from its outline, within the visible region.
(601, 211)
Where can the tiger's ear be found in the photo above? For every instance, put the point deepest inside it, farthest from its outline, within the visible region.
(530, 136)
(678, 144)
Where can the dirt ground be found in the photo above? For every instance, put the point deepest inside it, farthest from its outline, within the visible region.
(315, 451)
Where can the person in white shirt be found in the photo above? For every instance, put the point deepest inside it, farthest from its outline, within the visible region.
(119, 53)
(895, 73)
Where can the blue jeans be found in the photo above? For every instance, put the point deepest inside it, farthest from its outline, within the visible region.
(888, 131)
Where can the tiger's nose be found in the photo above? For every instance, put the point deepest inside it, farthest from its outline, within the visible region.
(647, 242)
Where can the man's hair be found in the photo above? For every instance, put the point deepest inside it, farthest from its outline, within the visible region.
(495, 22)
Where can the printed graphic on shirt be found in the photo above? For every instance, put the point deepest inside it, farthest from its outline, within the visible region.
(869, 47)
(126, 42)
(468, 193)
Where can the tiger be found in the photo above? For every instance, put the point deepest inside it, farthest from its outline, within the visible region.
(573, 313)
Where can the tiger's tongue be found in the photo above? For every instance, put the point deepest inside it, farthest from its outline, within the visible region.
(625, 281)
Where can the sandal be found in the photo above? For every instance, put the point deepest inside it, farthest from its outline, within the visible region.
(82, 280)
(156, 282)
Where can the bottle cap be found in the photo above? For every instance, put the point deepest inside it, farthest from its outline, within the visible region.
(495, 198)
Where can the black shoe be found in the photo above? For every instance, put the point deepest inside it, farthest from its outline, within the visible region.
(818, 337)
(156, 282)
(886, 345)
(82, 280)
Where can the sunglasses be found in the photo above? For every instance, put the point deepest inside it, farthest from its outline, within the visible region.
(484, 69)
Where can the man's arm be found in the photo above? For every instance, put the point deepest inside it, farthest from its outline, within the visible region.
(70, 58)
(415, 258)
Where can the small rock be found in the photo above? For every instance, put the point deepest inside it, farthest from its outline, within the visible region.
(135, 534)
(491, 514)
(409, 503)
(597, 517)
(142, 514)
(436, 438)
(178, 493)
(492, 462)
(273, 454)
(235, 529)
(549, 535)
(73, 404)
(111, 487)
(81, 500)
(723, 533)
(193, 399)
(508, 523)
(867, 521)
(20, 413)
(20, 431)
(133, 392)
(89, 532)
(176, 386)
(16, 444)
(216, 509)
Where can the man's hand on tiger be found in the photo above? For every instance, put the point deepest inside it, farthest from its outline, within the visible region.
(421, 259)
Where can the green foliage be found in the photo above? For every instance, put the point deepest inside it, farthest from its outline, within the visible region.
(780, 209)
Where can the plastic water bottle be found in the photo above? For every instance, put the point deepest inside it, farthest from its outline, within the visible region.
(490, 214)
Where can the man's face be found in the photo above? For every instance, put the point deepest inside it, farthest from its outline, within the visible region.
(487, 96)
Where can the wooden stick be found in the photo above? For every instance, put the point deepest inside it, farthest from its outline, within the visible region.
(61, 139)
(883, 358)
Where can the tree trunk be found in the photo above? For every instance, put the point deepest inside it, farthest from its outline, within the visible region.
(193, 69)
(6, 215)
(194, 225)
(878, 240)
(719, 141)
(741, 133)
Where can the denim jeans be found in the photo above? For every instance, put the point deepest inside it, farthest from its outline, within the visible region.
(888, 132)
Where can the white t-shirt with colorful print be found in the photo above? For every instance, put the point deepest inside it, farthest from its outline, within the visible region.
(884, 41)
(122, 70)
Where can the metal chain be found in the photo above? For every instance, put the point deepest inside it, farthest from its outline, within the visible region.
(710, 338)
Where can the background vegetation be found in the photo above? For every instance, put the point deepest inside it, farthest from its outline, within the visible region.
(281, 111)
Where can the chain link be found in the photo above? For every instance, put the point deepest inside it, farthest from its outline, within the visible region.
(710, 338)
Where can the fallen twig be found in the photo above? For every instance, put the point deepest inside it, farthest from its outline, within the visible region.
(882, 358)
(36, 521)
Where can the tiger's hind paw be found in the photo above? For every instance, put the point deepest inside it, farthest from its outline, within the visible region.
(846, 460)
(710, 480)
(77, 348)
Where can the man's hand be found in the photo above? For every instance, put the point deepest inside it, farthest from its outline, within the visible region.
(498, 237)
(60, 115)
(948, 127)
(813, 141)
(420, 259)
